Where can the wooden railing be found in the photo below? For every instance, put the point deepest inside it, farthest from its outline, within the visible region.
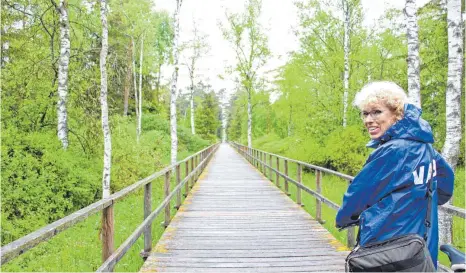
(258, 158)
(194, 165)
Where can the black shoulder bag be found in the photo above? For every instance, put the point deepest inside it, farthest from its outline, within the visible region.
(406, 253)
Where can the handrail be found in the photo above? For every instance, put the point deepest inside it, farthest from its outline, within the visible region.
(29, 241)
(314, 167)
(255, 157)
(124, 247)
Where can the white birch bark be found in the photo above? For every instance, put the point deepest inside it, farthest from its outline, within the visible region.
(414, 82)
(451, 147)
(134, 79)
(138, 130)
(103, 102)
(224, 122)
(249, 119)
(346, 52)
(63, 65)
(193, 127)
(173, 131)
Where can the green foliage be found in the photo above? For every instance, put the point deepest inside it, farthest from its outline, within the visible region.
(207, 117)
(346, 149)
(42, 183)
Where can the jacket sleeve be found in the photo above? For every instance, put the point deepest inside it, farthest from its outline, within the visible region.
(445, 179)
(370, 185)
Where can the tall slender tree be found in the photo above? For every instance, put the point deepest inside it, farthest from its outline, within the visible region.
(103, 102)
(107, 215)
(414, 70)
(139, 102)
(198, 48)
(451, 147)
(135, 84)
(128, 79)
(346, 11)
(251, 53)
(63, 64)
(175, 50)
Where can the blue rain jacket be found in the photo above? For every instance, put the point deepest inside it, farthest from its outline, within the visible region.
(388, 197)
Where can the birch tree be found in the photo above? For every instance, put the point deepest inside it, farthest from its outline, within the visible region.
(346, 12)
(103, 101)
(107, 214)
(128, 79)
(175, 51)
(63, 63)
(451, 148)
(414, 78)
(139, 101)
(135, 81)
(198, 48)
(251, 53)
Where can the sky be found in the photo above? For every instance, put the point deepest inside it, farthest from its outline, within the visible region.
(279, 19)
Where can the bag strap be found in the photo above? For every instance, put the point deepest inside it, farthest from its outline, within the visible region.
(429, 194)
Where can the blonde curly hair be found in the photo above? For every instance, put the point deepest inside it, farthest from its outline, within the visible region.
(389, 93)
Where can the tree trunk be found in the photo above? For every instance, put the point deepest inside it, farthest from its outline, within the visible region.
(103, 102)
(224, 131)
(127, 80)
(134, 79)
(63, 64)
(347, 50)
(193, 127)
(138, 130)
(451, 148)
(174, 137)
(414, 82)
(249, 120)
(290, 121)
(157, 84)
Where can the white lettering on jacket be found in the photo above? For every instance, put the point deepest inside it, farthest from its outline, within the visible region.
(419, 173)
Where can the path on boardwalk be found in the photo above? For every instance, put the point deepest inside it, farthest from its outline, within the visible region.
(235, 220)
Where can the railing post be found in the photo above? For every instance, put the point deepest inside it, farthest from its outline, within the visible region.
(286, 180)
(318, 202)
(277, 177)
(147, 212)
(186, 185)
(299, 178)
(197, 165)
(167, 193)
(178, 181)
(261, 164)
(107, 233)
(193, 176)
(271, 167)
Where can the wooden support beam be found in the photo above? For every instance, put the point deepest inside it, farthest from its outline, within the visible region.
(147, 212)
(167, 192)
(299, 172)
(107, 233)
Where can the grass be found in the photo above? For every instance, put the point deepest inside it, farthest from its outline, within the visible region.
(334, 187)
(78, 249)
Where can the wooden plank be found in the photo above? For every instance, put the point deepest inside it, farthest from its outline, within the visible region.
(237, 221)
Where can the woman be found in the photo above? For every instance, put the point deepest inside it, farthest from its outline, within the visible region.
(388, 197)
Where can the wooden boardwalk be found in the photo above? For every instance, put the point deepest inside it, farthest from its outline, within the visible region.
(235, 220)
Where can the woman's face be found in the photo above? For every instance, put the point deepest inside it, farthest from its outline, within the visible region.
(377, 118)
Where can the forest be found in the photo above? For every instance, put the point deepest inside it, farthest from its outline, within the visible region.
(82, 94)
